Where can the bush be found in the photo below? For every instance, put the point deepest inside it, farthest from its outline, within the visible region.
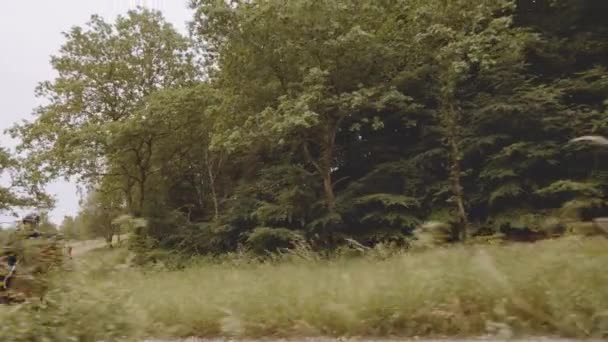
(265, 240)
(550, 288)
(554, 287)
(76, 309)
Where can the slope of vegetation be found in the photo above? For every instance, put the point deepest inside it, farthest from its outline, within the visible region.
(551, 288)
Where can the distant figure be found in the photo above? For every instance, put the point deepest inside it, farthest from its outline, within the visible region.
(70, 251)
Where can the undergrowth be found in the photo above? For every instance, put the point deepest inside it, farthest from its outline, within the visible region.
(550, 288)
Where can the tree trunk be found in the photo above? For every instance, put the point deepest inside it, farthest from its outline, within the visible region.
(128, 191)
(449, 117)
(216, 206)
(109, 238)
(143, 163)
(142, 192)
(327, 160)
(330, 197)
(198, 184)
(129, 200)
(457, 189)
(324, 166)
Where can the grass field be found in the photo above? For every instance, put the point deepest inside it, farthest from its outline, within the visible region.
(553, 288)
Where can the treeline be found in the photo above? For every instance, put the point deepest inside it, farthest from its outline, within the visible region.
(330, 119)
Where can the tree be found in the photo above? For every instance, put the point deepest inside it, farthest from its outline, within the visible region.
(23, 189)
(329, 120)
(468, 51)
(46, 226)
(105, 71)
(69, 228)
(332, 73)
(185, 116)
(97, 214)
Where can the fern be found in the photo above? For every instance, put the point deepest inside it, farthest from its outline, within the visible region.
(480, 144)
(494, 174)
(574, 209)
(393, 219)
(389, 200)
(268, 213)
(507, 191)
(532, 151)
(441, 215)
(268, 240)
(379, 234)
(570, 187)
(519, 219)
(326, 221)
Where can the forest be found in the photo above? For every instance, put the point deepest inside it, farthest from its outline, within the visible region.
(317, 169)
(325, 122)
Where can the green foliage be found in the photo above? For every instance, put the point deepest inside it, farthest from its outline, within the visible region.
(97, 214)
(583, 208)
(570, 187)
(19, 189)
(284, 194)
(519, 219)
(128, 223)
(94, 316)
(347, 125)
(337, 119)
(268, 240)
(93, 126)
(455, 291)
(392, 216)
(102, 310)
(388, 200)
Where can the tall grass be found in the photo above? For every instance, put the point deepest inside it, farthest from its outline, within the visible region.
(551, 288)
(82, 305)
(558, 287)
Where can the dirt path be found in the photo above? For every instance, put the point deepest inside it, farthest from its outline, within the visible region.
(82, 247)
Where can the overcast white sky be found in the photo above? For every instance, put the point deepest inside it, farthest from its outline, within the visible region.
(30, 31)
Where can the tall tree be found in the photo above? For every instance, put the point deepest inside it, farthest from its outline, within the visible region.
(21, 188)
(105, 71)
(97, 215)
(468, 51)
(330, 119)
(185, 122)
(312, 69)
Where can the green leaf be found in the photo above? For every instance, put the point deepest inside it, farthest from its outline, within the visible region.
(390, 200)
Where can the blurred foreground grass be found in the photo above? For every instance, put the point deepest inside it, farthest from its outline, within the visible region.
(553, 288)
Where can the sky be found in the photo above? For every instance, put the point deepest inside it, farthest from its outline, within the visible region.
(30, 32)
